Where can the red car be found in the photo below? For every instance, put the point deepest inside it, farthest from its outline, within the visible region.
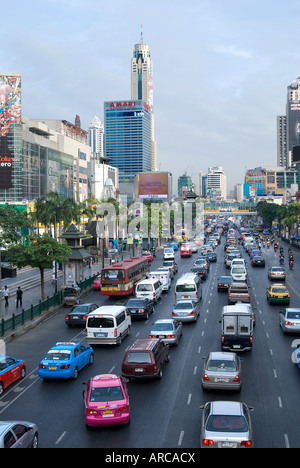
(11, 369)
(97, 283)
(185, 250)
(148, 255)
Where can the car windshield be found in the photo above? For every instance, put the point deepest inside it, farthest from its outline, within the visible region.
(144, 287)
(221, 366)
(135, 303)
(58, 355)
(183, 305)
(138, 358)
(102, 394)
(226, 423)
(162, 327)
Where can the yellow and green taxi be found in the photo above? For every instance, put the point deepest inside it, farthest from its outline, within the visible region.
(278, 294)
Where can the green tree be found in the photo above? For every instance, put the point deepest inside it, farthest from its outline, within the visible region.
(11, 222)
(41, 253)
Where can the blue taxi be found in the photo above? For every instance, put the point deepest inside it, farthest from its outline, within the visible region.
(65, 360)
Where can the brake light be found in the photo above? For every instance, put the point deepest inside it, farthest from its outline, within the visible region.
(85, 317)
(236, 379)
(287, 323)
(229, 296)
(41, 366)
(124, 409)
(141, 310)
(246, 443)
(207, 442)
(206, 378)
(223, 339)
(151, 336)
(115, 332)
(65, 366)
(192, 313)
(66, 317)
(171, 336)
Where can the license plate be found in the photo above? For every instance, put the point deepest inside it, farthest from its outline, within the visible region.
(100, 335)
(75, 317)
(161, 336)
(228, 444)
(236, 346)
(52, 368)
(138, 369)
(107, 413)
(221, 379)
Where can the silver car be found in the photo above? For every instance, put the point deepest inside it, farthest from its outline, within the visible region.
(18, 434)
(167, 330)
(226, 424)
(186, 310)
(222, 371)
(276, 273)
(289, 320)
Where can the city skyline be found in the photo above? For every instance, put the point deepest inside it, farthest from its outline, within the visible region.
(220, 72)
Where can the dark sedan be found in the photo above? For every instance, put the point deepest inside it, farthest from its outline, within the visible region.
(78, 314)
(200, 270)
(258, 261)
(140, 307)
(224, 283)
(211, 256)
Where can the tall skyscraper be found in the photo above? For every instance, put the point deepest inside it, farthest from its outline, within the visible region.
(142, 87)
(95, 138)
(216, 182)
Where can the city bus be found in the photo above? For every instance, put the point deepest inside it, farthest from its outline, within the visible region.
(120, 279)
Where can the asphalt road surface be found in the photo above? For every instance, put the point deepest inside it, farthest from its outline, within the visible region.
(165, 413)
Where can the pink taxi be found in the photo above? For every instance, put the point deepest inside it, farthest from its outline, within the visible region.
(106, 401)
(148, 255)
(97, 282)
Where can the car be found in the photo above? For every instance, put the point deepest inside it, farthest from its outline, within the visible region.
(238, 292)
(145, 359)
(11, 370)
(167, 330)
(255, 253)
(222, 371)
(171, 264)
(97, 283)
(203, 261)
(226, 424)
(148, 255)
(238, 273)
(139, 307)
(276, 273)
(185, 250)
(186, 310)
(211, 256)
(106, 401)
(200, 270)
(258, 261)
(289, 320)
(228, 260)
(278, 294)
(194, 247)
(18, 434)
(224, 283)
(78, 314)
(174, 245)
(64, 361)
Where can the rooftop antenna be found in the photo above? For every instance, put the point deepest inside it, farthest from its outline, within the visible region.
(142, 39)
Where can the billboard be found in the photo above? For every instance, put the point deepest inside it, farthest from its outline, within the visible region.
(296, 153)
(153, 185)
(10, 102)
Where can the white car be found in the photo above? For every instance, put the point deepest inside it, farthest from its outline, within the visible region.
(238, 273)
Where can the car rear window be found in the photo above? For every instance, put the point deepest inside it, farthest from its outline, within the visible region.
(138, 358)
(135, 303)
(185, 287)
(183, 305)
(226, 423)
(221, 366)
(100, 322)
(101, 394)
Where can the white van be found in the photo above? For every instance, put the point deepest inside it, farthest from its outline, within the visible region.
(150, 288)
(238, 273)
(238, 262)
(163, 276)
(108, 325)
(188, 286)
(169, 253)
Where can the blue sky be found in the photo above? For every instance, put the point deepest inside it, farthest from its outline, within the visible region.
(221, 70)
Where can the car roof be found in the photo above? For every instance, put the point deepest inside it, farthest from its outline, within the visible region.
(103, 380)
(65, 345)
(164, 320)
(226, 407)
(143, 344)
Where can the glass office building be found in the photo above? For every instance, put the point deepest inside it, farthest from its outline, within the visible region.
(128, 137)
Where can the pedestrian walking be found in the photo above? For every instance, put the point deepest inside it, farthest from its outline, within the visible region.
(6, 295)
(19, 295)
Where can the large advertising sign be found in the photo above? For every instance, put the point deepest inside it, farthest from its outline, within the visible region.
(153, 185)
(10, 102)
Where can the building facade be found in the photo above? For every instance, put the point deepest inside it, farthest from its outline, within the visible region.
(96, 138)
(128, 137)
(216, 183)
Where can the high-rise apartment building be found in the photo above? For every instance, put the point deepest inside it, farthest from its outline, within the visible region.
(95, 138)
(216, 183)
(142, 87)
(282, 153)
(288, 126)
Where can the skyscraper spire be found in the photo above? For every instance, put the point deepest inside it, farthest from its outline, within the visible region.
(142, 39)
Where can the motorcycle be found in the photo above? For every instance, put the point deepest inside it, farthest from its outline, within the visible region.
(291, 264)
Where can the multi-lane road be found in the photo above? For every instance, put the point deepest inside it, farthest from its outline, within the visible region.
(165, 413)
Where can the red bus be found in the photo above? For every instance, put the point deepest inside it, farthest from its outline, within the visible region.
(120, 279)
